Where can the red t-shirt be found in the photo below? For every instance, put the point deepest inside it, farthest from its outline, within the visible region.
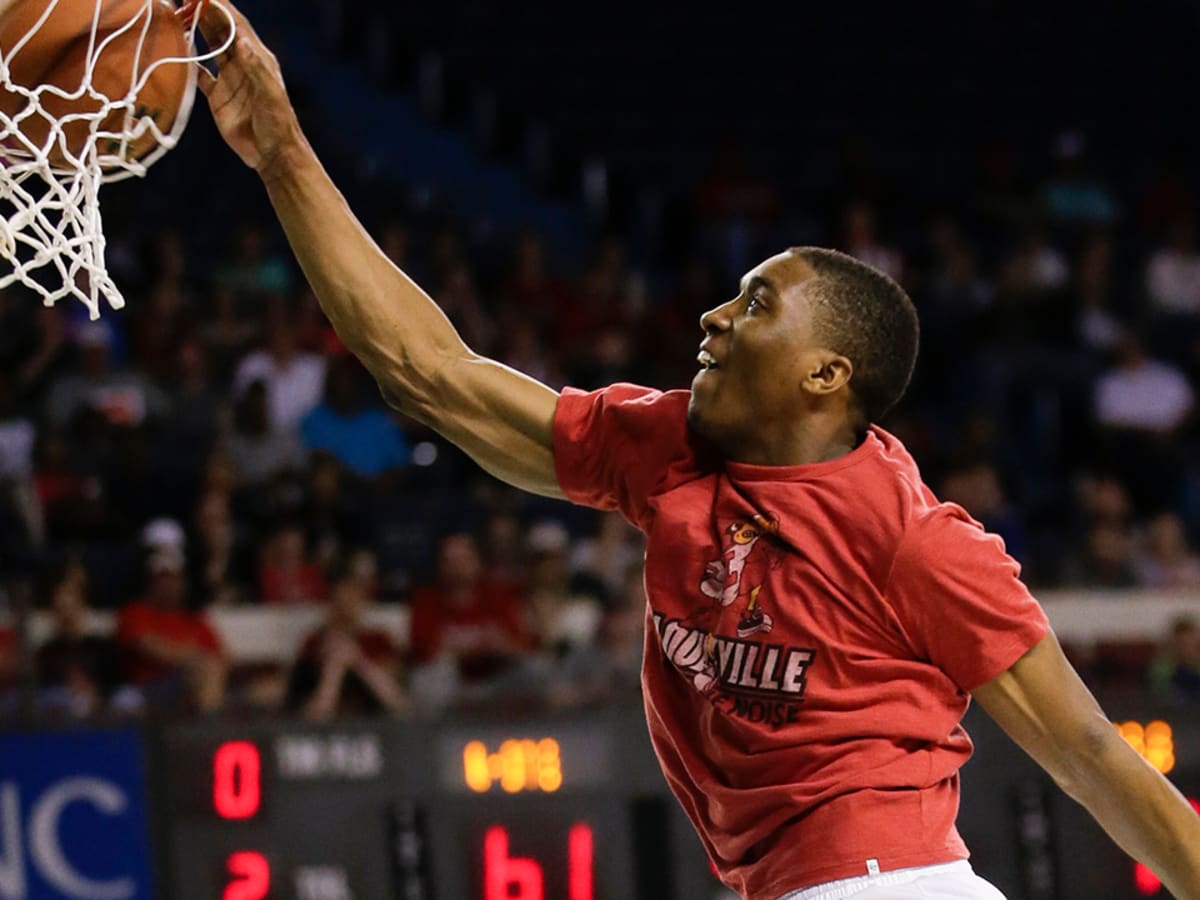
(138, 620)
(304, 584)
(374, 644)
(474, 631)
(8, 657)
(812, 633)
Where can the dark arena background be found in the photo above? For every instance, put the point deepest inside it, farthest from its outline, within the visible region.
(575, 184)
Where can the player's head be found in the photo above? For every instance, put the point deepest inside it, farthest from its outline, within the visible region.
(810, 331)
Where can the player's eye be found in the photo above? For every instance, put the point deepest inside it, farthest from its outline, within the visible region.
(752, 304)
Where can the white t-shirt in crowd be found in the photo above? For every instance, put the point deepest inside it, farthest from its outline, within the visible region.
(292, 390)
(16, 448)
(1152, 395)
(1173, 281)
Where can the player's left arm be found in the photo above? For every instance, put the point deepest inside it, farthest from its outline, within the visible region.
(1044, 706)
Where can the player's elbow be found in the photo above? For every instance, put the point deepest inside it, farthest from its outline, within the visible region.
(423, 388)
(1084, 759)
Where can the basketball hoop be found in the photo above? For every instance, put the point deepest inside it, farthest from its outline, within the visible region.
(53, 163)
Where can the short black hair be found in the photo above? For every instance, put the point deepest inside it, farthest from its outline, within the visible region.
(868, 318)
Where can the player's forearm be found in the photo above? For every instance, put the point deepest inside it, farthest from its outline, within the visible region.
(1144, 814)
(381, 315)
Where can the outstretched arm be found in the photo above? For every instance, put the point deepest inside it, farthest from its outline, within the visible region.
(1045, 707)
(500, 417)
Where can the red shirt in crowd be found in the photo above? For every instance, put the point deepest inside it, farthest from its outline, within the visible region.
(303, 584)
(476, 632)
(8, 657)
(374, 644)
(812, 633)
(180, 626)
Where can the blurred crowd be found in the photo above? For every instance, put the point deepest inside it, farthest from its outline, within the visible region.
(215, 446)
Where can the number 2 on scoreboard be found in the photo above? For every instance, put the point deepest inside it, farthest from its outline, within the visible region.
(251, 874)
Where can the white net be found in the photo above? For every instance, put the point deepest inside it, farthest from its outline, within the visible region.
(59, 144)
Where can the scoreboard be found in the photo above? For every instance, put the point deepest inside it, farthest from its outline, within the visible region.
(569, 809)
(562, 809)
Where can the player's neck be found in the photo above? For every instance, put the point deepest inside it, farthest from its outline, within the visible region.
(814, 439)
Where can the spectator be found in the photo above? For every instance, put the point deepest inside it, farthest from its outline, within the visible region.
(254, 272)
(17, 435)
(286, 576)
(346, 668)
(860, 239)
(564, 614)
(225, 333)
(1173, 273)
(564, 608)
(76, 669)
(260, 453)
(1097, 325)
(1140, 405)
(197, 408)
(1038, 267)
(9, 661)
(529, 294)
(977, 489)
(394, 242)
(1072, 196)
(170, 655)
(294, 379)
(1105, 499)
(475, 625)
(20, 512)
(1175, 674)
(163, 534)
(332, 511)
(73, 502)
(504, 551)
(608, 554)
(217, 553)
(1166, 561)
(459, 299)
(1142, 393)
(121, 398)
(608, 668)
(365, 439)
(1107, 561)
(362, 567)
(49, 359)
(525, 349)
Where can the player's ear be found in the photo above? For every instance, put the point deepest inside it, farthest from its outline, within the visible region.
(827, 372)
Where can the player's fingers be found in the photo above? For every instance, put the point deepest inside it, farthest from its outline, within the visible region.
(220, 12)
(215, 24)
(205, 80)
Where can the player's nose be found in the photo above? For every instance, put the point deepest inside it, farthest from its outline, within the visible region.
(718, 318)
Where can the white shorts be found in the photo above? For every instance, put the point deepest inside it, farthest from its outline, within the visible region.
(947, 881)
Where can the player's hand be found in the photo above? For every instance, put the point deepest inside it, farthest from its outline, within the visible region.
(247, 97)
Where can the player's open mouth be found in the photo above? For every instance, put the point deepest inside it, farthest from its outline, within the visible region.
(706, 360)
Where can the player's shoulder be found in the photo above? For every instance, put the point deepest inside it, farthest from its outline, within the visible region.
(908, 510)
(634, 399)
(631, 411)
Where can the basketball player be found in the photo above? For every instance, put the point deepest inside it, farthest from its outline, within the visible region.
(807, 719)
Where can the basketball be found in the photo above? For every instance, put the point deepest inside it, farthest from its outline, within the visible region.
(131, 35)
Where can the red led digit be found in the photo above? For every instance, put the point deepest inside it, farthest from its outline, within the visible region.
(237, 790)
(580, 854)
(503, 874)
(1145, 881)
(252, 874)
